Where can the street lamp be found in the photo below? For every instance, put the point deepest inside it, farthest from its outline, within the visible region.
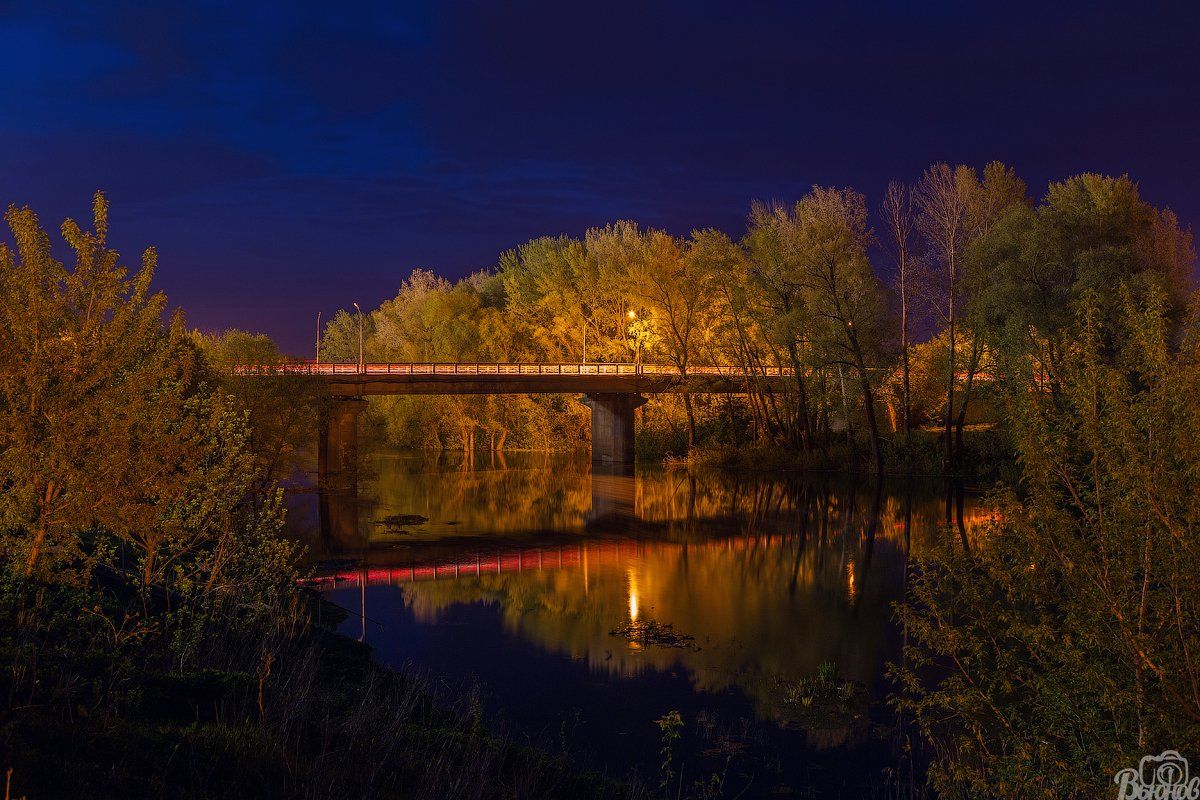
(318, 347)
(637, 357)
(360, 337)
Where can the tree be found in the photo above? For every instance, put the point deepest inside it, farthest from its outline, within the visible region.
(109, 426)
(339, 340)
(842, 291)
(283, 411)
(674, 281)
(1070, 639)
(1090, 234)
(955, 208)
(942, 199)
(898, 219)
(572, 294)
(777, 295)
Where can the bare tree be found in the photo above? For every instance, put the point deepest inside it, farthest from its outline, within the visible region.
(943, 197)
(898, 222)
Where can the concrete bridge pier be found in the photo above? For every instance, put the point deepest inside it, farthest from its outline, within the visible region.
(337, 448)
(612, 425)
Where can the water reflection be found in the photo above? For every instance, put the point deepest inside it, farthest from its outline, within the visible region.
(770, 578)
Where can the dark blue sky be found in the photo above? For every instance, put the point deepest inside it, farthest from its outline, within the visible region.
(288, 159)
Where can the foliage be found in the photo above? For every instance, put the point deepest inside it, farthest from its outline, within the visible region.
(155, 637)
(111, 438)
(282, 412)
(1070, 632)
(1090, 235)
(670, 725)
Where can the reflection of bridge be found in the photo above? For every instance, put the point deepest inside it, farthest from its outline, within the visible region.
(580, 555)
(612, 391)
(583, 555)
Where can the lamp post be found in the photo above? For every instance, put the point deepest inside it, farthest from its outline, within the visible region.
(360, 337)
(318, 346)
(637, 339)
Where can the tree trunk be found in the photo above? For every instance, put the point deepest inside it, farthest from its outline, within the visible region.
(691, 418)
(39, 536)
(846, 408)
(802, 394)
(148, 568)
(949, 456)
(961, 420)
(872, 424)
(823, 416)
(906, 414)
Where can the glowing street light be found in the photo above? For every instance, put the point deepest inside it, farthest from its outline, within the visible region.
(318, 347)
(637, 358)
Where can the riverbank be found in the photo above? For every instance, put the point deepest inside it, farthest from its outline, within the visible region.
(987, 457)
(267, 713)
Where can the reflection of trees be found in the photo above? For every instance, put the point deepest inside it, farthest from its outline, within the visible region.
(537, 492)
(789, 576)
(460, 497)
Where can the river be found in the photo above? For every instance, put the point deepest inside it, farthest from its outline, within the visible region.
(586, 604)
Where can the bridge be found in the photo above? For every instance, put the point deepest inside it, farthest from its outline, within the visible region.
(612, 391)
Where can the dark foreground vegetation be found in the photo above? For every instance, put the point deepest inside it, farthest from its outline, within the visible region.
(154, 639)
(254, 706)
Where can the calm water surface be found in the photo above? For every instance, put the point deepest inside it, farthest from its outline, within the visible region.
(529, 570)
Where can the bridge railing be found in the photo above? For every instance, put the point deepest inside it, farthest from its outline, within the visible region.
(497, 368)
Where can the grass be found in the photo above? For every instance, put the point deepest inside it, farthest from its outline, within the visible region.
(327, 723)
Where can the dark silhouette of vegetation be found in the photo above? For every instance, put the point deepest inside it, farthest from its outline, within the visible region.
(1070, 632)
(155, 639)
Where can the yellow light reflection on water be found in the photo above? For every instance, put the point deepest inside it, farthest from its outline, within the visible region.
(631, 578)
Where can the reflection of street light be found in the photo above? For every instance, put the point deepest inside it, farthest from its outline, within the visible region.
(360, 337)
(633, 595)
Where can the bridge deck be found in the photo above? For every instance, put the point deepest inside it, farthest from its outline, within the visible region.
(516, 378)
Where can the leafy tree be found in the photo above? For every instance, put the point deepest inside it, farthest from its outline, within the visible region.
(555, 288)
(843, 294)
(339, 340)
(1089, 235)
(105, 425)
(283, 411)
(1070, 635)
(775, 300)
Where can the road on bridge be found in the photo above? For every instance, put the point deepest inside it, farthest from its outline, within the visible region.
(521, 378)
